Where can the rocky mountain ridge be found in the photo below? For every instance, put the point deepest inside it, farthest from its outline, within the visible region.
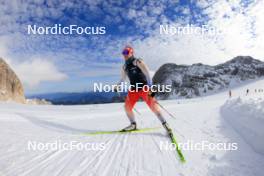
(195, 80)
(11, 88)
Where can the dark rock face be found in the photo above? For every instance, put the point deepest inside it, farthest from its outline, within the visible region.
(11, 88)
(195, 80)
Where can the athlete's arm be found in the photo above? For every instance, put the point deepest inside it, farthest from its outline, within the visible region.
(123, 76)
(143, 67)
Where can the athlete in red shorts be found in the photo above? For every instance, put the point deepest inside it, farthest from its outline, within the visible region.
(139, 77)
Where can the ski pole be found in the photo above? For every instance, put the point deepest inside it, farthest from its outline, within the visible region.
(136, 111)
(165, 110)
(171, 116)
(152, 95)
(170, 113)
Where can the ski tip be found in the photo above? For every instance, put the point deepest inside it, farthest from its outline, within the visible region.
(183, 161)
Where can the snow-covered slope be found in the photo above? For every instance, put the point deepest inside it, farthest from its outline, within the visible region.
(197, 120)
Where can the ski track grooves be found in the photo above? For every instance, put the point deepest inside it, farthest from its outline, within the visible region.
(44, 158)
(92, 164)
(115, 153)
(62, 162)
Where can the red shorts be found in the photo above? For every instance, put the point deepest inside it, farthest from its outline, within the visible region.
(133, 97)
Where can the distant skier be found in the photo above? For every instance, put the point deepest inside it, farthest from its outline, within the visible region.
(137, 72)
(247, 92)
(230, 93)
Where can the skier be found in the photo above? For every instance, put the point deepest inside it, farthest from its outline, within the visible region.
(137, 72)
(230, 93)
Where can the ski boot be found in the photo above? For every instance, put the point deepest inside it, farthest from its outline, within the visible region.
(131, 127)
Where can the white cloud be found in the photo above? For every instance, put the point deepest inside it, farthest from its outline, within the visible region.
(3, 48)
(242, 34)
(132, 13)
(185, 49)
(242, 29)
(35, 71)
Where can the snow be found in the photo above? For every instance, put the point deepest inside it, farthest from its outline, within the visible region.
(197, 120)
(246, 115)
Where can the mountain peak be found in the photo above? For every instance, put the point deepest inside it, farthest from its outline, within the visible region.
(243, 60)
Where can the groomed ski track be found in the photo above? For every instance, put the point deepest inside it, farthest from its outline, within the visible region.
(136, 154)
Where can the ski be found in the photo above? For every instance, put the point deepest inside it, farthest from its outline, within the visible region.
(179, 152)
(142, 130)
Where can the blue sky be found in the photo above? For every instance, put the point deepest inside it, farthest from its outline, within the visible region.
(59, 63)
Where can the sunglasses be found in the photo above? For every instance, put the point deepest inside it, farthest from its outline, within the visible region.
(125, 52)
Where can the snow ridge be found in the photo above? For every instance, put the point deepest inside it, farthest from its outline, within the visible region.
(247, 117)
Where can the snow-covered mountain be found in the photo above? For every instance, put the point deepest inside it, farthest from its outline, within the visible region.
(198, 79)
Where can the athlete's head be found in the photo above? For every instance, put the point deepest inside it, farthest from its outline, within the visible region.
(127, 52)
